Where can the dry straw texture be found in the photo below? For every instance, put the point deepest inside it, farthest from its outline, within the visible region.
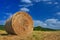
(21, 24)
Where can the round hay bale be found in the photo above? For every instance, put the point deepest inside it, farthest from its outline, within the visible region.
(21, 24)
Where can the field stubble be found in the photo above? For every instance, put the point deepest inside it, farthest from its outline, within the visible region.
(36, 35)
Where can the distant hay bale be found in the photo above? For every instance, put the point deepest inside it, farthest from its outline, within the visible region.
(21, 24)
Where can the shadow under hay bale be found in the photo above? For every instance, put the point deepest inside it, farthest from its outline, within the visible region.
(21, 24)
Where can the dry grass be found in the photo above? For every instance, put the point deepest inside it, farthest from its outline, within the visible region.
(45, 35)
(37, 35)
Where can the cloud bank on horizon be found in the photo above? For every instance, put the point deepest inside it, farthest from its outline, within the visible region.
(45, 5)
(49, 23)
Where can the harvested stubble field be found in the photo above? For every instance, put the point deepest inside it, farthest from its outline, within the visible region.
(36, 35)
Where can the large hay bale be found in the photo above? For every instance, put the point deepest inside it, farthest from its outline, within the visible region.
(21, 24)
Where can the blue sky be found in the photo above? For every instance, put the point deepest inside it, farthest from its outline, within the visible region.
(45, 13)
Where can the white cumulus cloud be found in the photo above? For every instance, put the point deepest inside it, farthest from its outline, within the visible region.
(25, 5)
(36, 0)
(58, 13)
(24, 9)
(49, 2)
(40, 0)
(26, 1)
(53, 23)
(48, 23)
(46, 0)
(39, 23)
(51, 20)
(56, 3)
